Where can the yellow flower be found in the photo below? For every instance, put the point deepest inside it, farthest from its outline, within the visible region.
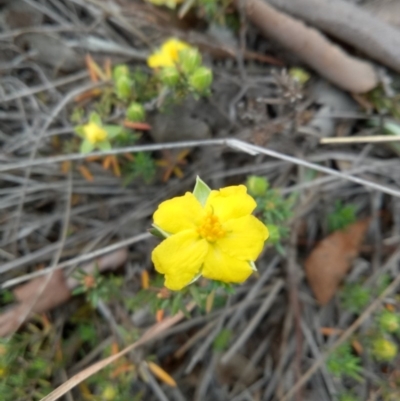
(94, 133)
(168, 54)
(219, 241)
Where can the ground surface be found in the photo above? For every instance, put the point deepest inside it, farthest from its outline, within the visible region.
(262, 340)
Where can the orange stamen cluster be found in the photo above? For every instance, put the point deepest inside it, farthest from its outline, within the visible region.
(211, 228)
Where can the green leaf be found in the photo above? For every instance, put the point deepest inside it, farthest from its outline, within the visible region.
(222, 340)
(105, 145)
(194, 291)
(95, 118)
(177, 304)
(158, 232)
(86, 146)
(201, 191)
(113, 130)
(79, 130)
(78, 290)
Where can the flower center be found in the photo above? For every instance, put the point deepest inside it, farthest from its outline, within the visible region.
(94, 133)
(211, 228)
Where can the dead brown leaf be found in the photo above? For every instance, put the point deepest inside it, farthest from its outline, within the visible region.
(331, 259)
(56, 292)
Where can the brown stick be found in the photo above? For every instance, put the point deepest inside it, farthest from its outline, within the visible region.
(351, 24)
(312, 47)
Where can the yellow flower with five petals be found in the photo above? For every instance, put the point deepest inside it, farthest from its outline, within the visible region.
(168, 54)
(94, 133)
(217, 238)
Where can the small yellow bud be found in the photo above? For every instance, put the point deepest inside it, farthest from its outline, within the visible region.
(121, 70)
(389, 321)
(299, 75)
(169, 76)
(135, 112)
(123, 87)
(384, 350)
(94, 133)
(189, 60)
(109, 393)
(201, 79)
(274, 234)
(257, 186)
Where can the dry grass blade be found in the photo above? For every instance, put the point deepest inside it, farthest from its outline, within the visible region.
(71, 262)
(151, 334)
(361, 139)
(233, 143)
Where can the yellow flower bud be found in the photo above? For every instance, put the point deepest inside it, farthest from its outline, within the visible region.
(135, 112)
(299, 75)
(274, 234)
(169, 76)
(94, 133)
(257, 185)
(384, 350)
(201, 79)
(121, 70)
(389, 321)
(109, 393)
(189, 60)
(123, 87)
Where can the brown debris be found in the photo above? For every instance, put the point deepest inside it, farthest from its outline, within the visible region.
(347, 72)
(351, 24)
(330, 260)
(56, 292)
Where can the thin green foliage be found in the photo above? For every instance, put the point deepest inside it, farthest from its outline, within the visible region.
(273, 209)
(341, 217)
(343, 362)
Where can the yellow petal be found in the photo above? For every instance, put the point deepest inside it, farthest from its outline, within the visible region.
(159, 59)
(222, 267)
(180, 258)
(172, 47)
(168, 54)
(231, 203)
(94, 133)
(244, 238)
(178, 214)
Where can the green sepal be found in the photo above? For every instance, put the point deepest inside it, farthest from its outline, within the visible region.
(86, 146)
(95, 118)
(113, 130)
(105, 145)
(194, 291)
(79, 130)
(195, 278)
(253, 266)
(201, 191)
(158, 232)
